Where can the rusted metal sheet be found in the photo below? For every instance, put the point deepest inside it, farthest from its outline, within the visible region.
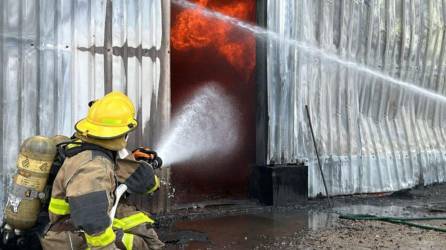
(373, 136)
(56, 56)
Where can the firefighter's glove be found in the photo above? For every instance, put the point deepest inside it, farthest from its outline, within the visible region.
(142, 179)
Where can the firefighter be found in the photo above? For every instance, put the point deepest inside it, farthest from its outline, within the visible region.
(83, 190)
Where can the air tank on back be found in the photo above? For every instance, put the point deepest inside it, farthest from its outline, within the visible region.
(28, 190)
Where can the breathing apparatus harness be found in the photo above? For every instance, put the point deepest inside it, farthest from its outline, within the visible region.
(70, 149)
(29, 239)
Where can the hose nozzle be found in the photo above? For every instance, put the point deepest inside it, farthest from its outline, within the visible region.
(149, 156)
(156, 163)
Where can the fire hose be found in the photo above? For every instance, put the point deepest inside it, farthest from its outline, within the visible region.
(397, 220)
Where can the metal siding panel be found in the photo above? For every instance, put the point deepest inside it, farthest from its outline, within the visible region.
(13, 65)
(119, 38)
(47, 47)
(29, 80)
(11, 87)
(98, 16)
(54, 60)
(4, 170)
(373, 136)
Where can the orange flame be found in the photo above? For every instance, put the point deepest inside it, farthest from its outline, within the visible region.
(193, 30)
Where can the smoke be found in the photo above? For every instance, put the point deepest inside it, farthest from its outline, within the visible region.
(205, 127)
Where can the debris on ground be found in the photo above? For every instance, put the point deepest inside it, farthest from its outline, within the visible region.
(313, 225)
(349, 234)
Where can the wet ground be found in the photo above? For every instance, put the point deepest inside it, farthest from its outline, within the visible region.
(313, 225)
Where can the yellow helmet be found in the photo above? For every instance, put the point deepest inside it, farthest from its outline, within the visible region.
(109, 117)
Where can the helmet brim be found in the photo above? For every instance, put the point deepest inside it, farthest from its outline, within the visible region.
(86, 128)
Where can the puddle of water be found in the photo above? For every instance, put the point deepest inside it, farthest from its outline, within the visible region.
(258, 228)
(251, 230)
(184, 237)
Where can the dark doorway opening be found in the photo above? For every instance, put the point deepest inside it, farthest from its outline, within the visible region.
(205, 50)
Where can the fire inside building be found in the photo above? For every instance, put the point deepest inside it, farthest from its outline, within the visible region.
(226, 55)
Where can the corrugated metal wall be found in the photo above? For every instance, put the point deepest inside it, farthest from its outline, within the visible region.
(56, 56)
(373, 136)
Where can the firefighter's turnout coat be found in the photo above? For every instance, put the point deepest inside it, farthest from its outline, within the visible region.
(81, 200)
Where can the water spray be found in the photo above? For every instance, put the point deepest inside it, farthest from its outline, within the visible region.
(309, 49)
(205, 127)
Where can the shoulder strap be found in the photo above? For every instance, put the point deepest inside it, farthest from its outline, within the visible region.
(63, 153)
(83, 146)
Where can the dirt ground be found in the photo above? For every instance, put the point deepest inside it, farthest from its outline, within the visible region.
(314, 225)
(369, 235)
